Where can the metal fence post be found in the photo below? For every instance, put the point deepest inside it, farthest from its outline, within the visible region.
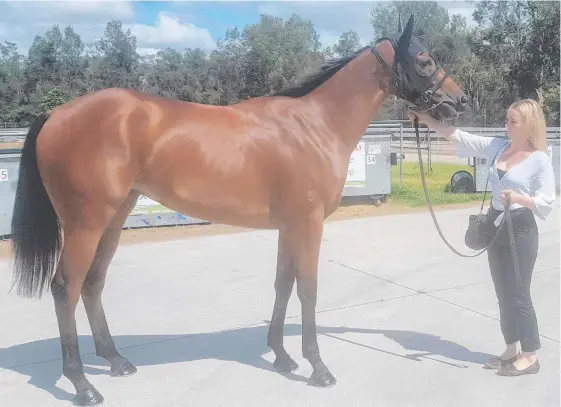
(429, 155)
(401, 153)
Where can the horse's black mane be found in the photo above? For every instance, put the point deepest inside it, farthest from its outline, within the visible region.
(314, 80)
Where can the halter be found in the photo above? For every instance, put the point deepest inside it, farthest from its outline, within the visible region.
(403, 84)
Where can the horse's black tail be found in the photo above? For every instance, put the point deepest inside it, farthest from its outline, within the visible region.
(36, 233)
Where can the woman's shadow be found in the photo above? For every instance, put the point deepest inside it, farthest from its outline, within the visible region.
(40, 360)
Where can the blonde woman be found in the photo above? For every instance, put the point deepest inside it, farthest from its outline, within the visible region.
(523, 169)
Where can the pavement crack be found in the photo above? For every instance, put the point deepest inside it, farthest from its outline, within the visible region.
(480, 313)
(483, 282)
(428, 293)
(356, 305)
(371, 275)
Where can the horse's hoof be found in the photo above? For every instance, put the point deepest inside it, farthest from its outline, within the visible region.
(89, 397)
(323, 379)
(126, 369)
(285, 365)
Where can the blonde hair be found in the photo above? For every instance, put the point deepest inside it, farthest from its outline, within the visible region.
(534, 122)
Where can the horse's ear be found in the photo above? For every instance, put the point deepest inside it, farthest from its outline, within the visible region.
(405, 37)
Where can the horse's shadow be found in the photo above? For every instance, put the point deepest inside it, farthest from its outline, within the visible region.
(40, 360)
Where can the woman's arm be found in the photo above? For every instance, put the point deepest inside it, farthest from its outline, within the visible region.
(469, 145)
(541, 203)
(516, 198)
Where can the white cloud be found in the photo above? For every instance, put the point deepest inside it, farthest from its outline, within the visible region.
(328, 38)
(22, 21)
(3, 30)
(25, 19)
(67, 12)
(169, 31)
(147, 51)
(114, 9)
(460, 7)
(332, 18)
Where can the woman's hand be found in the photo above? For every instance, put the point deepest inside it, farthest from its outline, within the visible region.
(443, 129)
(424, 118)
(519, 199)
(514, 197)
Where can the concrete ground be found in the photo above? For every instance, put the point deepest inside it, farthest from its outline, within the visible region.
(402, 322)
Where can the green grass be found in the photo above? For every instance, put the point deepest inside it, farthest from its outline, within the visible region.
(411, 193)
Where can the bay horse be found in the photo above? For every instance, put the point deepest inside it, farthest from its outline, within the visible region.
(274, 162)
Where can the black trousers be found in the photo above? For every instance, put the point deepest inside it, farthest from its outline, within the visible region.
(518, 317)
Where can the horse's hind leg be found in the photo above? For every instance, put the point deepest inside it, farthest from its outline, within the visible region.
(93, 287)
(284, 282)
(79, 248)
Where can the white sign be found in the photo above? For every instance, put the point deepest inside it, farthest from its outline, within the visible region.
(371, 159)
(357, 169)
(374, 149)
(3, 174)
(146, 205)
(144, 201)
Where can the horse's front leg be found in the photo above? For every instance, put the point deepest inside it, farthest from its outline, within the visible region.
(305, 242)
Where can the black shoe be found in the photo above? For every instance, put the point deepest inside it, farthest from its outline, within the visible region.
(511, 370)
(496, 362)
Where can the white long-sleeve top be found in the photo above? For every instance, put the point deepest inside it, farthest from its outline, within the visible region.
(532, 177)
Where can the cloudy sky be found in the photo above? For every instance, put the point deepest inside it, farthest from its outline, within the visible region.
(182, 24)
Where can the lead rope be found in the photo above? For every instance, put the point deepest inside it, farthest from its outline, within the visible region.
(507, 215)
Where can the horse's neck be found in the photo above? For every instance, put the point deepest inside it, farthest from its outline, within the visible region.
(350, 99)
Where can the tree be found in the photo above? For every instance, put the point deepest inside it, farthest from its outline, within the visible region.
(114, 61)
(348, 44)
(512, 52)
(278, 52)
(520, 39)
(53, 98)
(13, 106)
(431, 19)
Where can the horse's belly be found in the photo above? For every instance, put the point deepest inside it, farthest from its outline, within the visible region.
(238, 201)
(227, 209)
